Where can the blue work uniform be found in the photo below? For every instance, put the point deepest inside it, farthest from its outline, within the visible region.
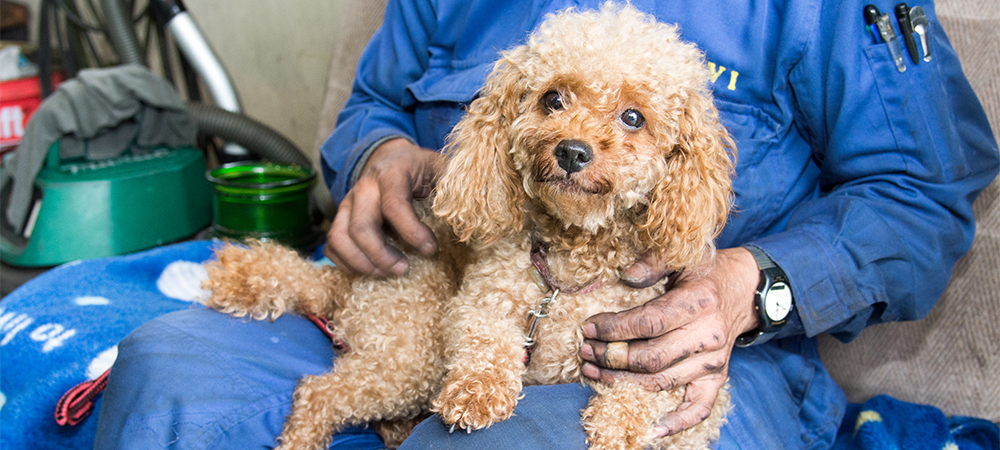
(857, 179)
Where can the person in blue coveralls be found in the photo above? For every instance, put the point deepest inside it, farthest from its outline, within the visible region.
(855, 183)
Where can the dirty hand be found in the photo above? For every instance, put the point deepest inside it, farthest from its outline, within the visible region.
(396, 173)
(684, 337)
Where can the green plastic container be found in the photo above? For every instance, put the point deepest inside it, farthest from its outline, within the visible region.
(265, 201)
(113, 207)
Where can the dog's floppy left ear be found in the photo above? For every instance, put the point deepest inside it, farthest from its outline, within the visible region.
(480, 194)
(690, 205)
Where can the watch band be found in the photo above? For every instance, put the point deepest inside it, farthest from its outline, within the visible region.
(764, 262)
(770, 276)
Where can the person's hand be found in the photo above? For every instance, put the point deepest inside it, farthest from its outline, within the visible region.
(684, 337)
(396, 173)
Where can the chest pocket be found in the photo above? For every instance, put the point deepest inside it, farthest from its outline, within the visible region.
(753, 130)
(917, 125)
(759, 189)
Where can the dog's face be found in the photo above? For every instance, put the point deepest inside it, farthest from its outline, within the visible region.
(602, 118)
(587, 152)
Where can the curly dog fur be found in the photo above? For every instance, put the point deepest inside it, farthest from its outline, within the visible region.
(597, 141)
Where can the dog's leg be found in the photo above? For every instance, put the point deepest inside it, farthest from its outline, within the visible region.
(265, 280)
(393, 367)
(359, 390)
(623, 416)
(702, 434)
(485, 367)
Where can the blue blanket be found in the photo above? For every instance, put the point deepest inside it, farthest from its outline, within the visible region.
(63, 328)
(885, 423)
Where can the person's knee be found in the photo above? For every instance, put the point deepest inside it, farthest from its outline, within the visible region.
(545, 417)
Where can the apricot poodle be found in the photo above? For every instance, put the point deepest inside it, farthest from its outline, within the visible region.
(592, 144)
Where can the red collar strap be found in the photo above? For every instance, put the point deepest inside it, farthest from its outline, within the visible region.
(326, 327)
(549, 286)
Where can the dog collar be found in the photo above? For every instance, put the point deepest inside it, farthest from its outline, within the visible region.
(543, 276)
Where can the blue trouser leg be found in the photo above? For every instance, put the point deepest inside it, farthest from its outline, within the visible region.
(197, 379)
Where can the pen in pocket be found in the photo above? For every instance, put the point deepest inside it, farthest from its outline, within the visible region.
(918, 19)
(889, 37)
(871, 17)
(903, 17)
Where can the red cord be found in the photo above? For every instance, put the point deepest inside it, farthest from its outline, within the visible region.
(78, 402)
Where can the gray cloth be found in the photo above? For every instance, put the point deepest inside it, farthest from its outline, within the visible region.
(98, 115)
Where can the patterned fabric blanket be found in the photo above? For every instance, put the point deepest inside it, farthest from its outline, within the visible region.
(63, 327)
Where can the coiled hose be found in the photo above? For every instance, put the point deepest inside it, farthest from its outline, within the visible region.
(256, 137)
(249, 133)
(122, 33)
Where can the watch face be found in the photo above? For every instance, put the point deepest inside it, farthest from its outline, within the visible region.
(778, 302)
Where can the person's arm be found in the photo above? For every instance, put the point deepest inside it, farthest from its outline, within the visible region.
(370, 162)
(902, 156)
(377, 110)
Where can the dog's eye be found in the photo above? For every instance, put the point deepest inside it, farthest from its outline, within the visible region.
(553, 101)
(633, 119)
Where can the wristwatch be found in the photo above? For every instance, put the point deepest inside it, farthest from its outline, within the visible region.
(773, 300)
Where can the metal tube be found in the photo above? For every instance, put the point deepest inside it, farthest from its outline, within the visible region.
(192, 43)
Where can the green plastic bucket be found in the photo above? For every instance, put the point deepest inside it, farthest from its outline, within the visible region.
(264, 200)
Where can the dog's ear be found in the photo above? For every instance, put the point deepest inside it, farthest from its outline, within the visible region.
(690, 205)
(479, 193)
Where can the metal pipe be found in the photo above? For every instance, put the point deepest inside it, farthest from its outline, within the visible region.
(199, 53)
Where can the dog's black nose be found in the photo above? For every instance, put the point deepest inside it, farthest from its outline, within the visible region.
(573, 155)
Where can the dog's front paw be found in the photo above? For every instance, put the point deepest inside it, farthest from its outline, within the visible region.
(618, 433)
(476, 400)
(239, 295)
(613, 439)
(620, 416)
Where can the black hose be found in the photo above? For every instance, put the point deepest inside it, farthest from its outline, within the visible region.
(249, 133)
(122, 33)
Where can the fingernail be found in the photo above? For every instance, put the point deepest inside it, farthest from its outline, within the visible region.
(399, 268)
(428, 249)
(589, 331)
(590, 371)
(587, 352)
(666, 427)
(635, 273)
